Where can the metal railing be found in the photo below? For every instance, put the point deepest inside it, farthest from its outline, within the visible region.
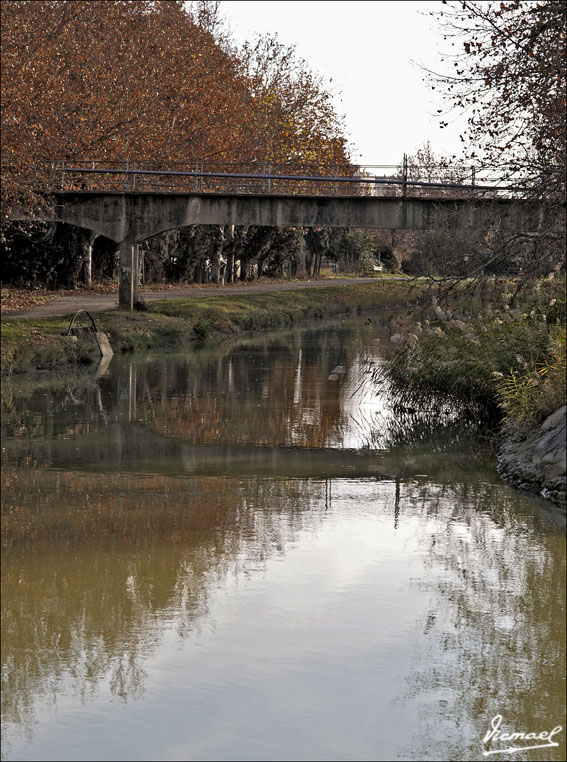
(281, 179)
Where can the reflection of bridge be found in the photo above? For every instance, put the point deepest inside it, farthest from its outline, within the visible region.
(128, 213)
(131, 447)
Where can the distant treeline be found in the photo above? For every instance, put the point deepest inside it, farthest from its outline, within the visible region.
(55, 255)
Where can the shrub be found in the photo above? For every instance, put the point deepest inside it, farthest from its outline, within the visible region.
(202, 329)
(530, 395)
(508, 362)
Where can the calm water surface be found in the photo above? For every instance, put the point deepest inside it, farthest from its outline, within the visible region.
(226, 555)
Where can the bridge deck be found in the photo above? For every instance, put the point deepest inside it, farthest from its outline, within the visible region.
(135, 216)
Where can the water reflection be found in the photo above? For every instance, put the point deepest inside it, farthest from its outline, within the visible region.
(217, 557)
(276, 392)
(491, 582)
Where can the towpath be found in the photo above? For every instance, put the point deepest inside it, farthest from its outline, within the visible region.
(68, 304)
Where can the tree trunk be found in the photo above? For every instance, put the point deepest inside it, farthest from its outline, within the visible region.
(88, 259)
(230, 266)
(301, 265)
(230, 255)
(200, 271)
(317, 262)
(216, 255)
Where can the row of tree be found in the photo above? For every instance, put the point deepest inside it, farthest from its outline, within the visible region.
(53, 255)
(152, 80)
(163, 80)
(158, 81)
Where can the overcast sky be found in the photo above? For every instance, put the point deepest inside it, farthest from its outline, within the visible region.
(367, 48)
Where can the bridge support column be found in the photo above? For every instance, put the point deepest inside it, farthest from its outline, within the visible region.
(128, 278)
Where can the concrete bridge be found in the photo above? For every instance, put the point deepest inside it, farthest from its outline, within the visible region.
(128, 218)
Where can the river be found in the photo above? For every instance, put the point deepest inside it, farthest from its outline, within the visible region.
(224, 554)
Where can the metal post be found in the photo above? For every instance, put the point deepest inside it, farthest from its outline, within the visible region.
(63, 175)
(196, 170)
(134, 177)
(405, 176)
(269, 178)
(126, 176)
(473, 183)
(264, 178)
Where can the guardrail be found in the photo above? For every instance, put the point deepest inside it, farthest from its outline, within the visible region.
(368, 180)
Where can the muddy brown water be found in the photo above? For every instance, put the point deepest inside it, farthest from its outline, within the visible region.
(223, 554)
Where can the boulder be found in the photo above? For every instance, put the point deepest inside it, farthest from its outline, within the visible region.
(536, 460)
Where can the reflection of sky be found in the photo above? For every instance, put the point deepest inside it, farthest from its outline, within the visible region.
(335, 619)
(334, 648)
(368, 409)
(301, 657)
(365, 405)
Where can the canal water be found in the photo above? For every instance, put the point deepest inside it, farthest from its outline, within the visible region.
(226, 555)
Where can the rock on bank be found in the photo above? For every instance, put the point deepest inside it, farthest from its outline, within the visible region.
(536, 460)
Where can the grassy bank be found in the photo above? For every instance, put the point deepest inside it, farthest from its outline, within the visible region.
(500, 354)
(39, 344)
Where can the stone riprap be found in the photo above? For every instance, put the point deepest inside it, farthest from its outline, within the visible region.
(536, 460)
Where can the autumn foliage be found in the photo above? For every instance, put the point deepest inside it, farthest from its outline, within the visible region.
(149, 81)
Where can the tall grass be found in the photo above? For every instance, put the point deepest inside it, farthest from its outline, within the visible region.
(503, 361)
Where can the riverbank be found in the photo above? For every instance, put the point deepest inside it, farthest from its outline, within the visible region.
(40, 343)
(535, 460)
(503, 356)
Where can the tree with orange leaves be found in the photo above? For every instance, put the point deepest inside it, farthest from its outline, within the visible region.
(112, 81)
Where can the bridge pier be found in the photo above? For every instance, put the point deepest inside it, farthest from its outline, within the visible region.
(128, 275)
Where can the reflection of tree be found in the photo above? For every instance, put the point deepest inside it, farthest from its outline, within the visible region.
(95, 561)
(96, 564)
(496, 578)
(276, 394)
(273, 392)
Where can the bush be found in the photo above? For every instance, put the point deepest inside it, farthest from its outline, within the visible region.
(202, 329)
(508, 362)
(390, 258)
(530, 395)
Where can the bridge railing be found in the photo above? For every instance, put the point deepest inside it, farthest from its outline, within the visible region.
(404, 180)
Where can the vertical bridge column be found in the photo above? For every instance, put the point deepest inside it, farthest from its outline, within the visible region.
(128, 275)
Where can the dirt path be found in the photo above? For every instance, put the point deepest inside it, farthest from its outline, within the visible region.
(66, 305)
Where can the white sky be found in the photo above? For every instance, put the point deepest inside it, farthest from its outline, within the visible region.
(367, 48)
